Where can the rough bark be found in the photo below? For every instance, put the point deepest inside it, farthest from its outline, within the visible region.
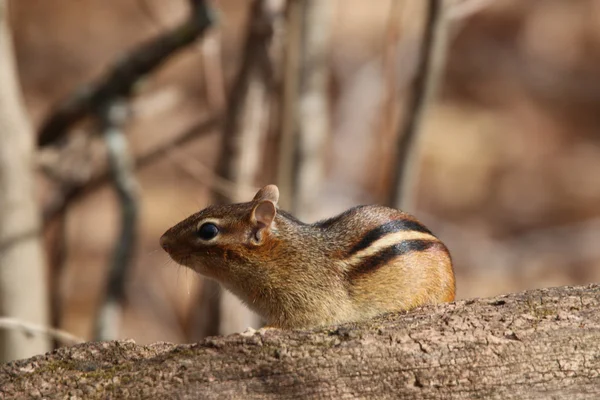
(541, 344)
(23, 291)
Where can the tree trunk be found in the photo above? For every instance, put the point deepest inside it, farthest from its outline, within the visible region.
(23, 291)
(542, 344)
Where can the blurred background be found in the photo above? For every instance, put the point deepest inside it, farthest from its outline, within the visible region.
(507, 173)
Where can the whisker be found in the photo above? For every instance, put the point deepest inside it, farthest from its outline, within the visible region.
(187, 282)
(178, 274)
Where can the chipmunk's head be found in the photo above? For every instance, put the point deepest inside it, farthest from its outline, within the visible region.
(224, 239)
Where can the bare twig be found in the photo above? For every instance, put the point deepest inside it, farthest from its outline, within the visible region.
(430, 68)
(35, 329)
(122, 77)
(288, 136)
(207, 177)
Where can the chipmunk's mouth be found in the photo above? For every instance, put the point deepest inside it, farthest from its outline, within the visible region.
(166, 244)
(181, 258)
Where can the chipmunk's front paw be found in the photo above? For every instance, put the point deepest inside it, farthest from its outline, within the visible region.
(251, 331)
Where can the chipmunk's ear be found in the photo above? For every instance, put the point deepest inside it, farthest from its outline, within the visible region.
(262, 218)
(264, 213)
(269, 192)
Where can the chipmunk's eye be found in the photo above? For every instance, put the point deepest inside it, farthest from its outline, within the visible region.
(208, 231)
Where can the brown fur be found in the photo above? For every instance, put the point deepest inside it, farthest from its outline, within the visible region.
(300, 275)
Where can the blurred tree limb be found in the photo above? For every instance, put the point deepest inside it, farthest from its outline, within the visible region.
(106, 100)
(429, 70)
(289, 113)
(119, 82)
(121, 78)
(242, 142)
(247, 113)
(313, 111)
(112, 120)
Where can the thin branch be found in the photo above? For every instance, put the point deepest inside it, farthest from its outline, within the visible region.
(244, 132)
(247, 109)
(35, 329)
(106, 100)
(72, 192)
(121, 78)
(123, 175)
(430, 68)
(289, 127)
(207, 177)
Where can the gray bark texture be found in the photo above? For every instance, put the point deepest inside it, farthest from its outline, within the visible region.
(541, 344)
(23, 283)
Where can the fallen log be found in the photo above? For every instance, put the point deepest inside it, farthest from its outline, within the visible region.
(539, 344)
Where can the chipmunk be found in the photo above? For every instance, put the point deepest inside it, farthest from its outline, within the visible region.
(362, 263)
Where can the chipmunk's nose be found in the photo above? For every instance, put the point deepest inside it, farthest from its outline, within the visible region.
(165, 243)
